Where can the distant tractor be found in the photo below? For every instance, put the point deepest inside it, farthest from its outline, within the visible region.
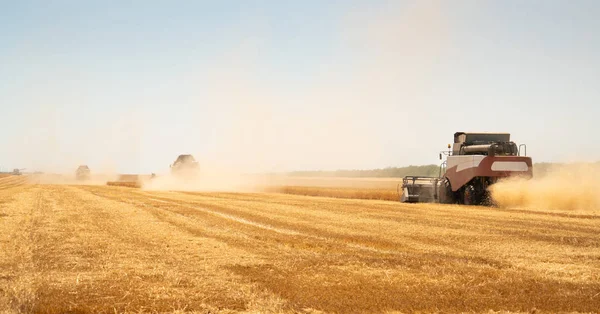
(17, 172)
(83, 173)
(475, 161)
(185, 165)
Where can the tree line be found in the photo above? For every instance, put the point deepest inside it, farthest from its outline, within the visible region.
(539, 169)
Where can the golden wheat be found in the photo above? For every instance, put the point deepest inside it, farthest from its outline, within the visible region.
(356, 193)
(125, 184)
(91, 249)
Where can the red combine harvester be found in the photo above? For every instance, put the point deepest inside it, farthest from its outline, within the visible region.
(475, 161)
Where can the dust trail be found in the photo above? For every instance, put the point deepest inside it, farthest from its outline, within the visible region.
(70, 179)
(565, 187)
(210, 177)
(229, 183)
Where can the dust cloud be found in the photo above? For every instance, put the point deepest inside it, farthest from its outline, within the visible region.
(65, 179)
(563, 187)
(341, 117)
(209, 178)
(233, 118)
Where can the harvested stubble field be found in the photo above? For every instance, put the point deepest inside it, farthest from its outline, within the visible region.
(70, 248)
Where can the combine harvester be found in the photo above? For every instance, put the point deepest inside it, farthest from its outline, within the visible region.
(17, 171)
(83, 173)
(473, 163)
(185, 167)
(128, 180)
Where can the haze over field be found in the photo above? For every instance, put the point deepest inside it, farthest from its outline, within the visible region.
(287, 85)
(282, 156)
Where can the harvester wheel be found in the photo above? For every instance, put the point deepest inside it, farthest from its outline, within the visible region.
(469, 195)
(446, 196)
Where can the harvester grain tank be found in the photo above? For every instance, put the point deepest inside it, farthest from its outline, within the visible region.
(474, 162)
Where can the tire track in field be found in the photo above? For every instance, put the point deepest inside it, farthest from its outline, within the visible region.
(295, 267)
(478, 223)
(313, 241)
(233, 217)
(450, 248)
(330, 274)
(12, 181)
(300, 237)
(277, 229)
(479, 220)
(447, 247)
(245, 233)
(111, 250)
(20, 249)
(250, 220)
(200, 224)
(350, 237)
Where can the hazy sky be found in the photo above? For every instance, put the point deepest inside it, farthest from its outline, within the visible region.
(292, 85)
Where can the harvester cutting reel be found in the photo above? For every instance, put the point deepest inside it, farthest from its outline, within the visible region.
(439, 190)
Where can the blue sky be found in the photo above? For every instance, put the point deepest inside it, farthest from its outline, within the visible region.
(289, 85)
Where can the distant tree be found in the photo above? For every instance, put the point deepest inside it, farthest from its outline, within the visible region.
(393, 172)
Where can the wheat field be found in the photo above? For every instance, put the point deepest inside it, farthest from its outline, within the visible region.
(100, 249)
(387, 189)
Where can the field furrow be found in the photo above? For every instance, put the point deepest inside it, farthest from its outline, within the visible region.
(106, 249)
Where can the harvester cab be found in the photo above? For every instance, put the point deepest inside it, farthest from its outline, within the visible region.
(473, 163)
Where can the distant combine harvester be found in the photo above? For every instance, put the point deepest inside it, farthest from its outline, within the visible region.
(17, 172)
(83, 173)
